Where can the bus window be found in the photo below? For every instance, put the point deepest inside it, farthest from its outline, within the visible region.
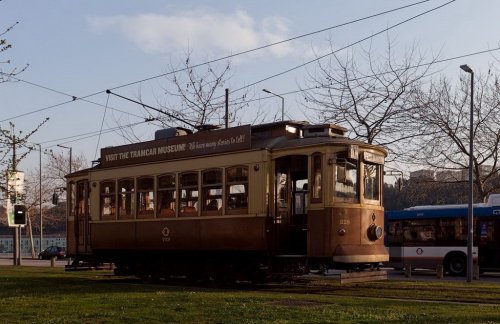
(145, 197)
(316, 193)
(346, 178)
(371, 181)
(126, 199)
(108, 200)
(237, 190)
(188, 194)
(212, 192)
(166, 196)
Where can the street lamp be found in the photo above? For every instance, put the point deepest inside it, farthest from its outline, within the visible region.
(282, 103)
(40, 195)
(70, 154)
(470, 214)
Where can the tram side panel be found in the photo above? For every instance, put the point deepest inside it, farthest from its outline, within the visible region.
(236, 233)
(342, 234)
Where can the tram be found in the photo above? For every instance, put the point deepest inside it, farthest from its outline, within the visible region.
(241, 202)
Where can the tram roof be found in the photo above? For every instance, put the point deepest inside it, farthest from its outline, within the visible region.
(271, 136)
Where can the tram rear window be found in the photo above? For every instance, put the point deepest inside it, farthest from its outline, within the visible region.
(346, 177)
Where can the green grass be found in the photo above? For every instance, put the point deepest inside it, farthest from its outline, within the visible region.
(50, 295)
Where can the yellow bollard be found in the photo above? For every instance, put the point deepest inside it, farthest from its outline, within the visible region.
(52, 262)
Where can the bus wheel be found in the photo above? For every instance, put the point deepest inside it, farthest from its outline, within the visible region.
(456, 264)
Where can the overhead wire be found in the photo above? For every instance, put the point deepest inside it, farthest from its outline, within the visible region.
(341, 49)
(102, 123)
(380, 74)
(95, 133)
(75, 98)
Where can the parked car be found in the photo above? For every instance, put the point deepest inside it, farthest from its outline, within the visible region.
(52, 251)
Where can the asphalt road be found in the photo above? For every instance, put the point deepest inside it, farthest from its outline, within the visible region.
(6, 259)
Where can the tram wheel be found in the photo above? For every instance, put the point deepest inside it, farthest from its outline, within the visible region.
(456, 264)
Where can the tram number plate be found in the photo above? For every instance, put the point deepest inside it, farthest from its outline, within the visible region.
(345, 222)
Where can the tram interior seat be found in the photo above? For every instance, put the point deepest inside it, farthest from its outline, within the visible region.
(189, 211)
(167, 212)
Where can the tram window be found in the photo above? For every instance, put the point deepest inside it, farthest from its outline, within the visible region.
(145, 197)
(212, 192)
(301, 193)
(372, 181)
(166, 196)
(237, 190)
(316, 193)
(80, 202)
(108, 200)
(346, 177)
(126, 199)
(72, 195)
(188, 193)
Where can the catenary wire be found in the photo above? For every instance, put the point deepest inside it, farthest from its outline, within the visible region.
(340, 49)
(74, 98)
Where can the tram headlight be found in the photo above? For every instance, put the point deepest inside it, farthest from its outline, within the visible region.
(375, 232)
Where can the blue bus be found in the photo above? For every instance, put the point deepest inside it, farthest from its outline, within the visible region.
(429, 236)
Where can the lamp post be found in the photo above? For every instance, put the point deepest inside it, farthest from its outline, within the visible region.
(70, 154)
(282, 102)
(40, 195)
(470, 214)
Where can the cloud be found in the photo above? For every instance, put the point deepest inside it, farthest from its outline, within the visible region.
(200, 31)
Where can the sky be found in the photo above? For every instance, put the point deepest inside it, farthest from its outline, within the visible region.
(81, 48)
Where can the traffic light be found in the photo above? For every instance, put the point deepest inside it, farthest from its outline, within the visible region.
(19, 214)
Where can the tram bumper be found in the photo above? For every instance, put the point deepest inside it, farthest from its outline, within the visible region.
(352, 253)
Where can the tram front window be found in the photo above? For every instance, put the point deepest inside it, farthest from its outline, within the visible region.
(371, 181)
(346, 178)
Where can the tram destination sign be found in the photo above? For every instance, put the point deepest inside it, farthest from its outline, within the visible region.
(202, 143)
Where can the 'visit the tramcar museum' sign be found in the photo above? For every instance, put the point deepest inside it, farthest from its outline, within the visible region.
(219, 141)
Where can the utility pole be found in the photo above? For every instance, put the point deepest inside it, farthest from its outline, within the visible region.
(17, 229)
(14, 180)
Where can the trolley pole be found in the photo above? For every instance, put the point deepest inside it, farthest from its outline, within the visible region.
(470, 214)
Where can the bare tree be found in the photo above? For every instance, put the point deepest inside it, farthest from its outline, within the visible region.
(371, 97)
(197, 95)
(6, 75)
(444, 116)
(14, 147)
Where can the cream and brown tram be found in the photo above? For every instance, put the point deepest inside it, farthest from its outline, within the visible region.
(247, 201)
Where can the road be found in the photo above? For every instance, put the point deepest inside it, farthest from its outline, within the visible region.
(6, 259)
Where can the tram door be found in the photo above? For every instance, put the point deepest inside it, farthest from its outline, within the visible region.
(82, 230)
(291, 193)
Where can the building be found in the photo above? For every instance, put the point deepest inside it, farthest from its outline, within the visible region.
(7, 246)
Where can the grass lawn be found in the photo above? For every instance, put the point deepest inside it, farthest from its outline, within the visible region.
(50, 295)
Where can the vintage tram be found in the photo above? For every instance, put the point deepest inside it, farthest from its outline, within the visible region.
(241, 202)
